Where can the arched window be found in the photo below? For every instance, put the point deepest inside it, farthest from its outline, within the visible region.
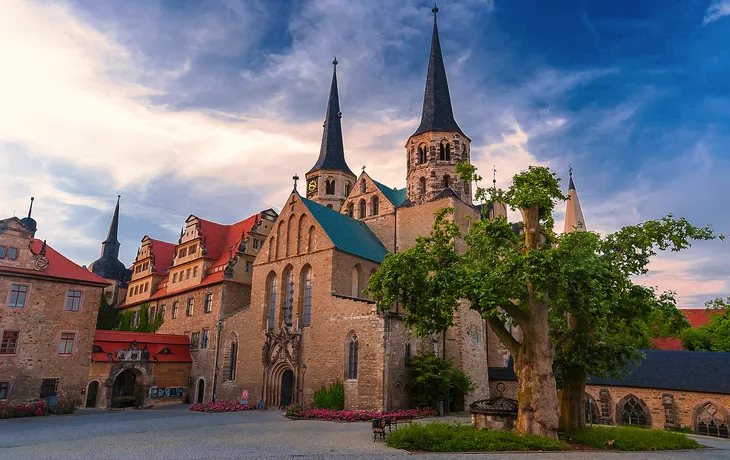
(448, 152)
(633, 411)
(310, 239)
(279, 239)
(289, 235)
(351, 210)
(421, 154)
(711, 420)
(329, 187)
(447, 181)
(351, 356)
(288, 300)
(422, 185)
(348, 188)
(591, 410)
(375, 206)
(363, 209)
(442, 151)
(300, 233)
(356, 272)
(232, 361)
(271, 249)
(306, 288)
(271, 291)
(363, 186)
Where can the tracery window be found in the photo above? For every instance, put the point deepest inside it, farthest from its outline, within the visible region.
(272, 301)
(329, 187)
(711, 422)
(445, 151)
(633, 412)
(421, 155)
(363, 209)
(288, 306)
(352, 357)
(375, 206)
(591, 410)
(307, 301)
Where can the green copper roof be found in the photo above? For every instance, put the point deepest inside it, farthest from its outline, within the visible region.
(395, 196)
(347, 234)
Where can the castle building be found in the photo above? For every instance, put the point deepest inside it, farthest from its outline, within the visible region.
(47, 317)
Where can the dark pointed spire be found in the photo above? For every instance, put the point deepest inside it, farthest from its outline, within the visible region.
(113, 233)
(571, 185)
(332, 152)
(29, 221)
(437, 112)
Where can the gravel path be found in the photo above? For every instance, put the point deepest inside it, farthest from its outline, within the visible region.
(175, 433)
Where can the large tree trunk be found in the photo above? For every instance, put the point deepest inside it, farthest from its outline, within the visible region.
(536, 390)
(572, 400)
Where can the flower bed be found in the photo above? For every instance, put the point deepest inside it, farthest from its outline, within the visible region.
(34, 409)
(354, 416)
(220, 406)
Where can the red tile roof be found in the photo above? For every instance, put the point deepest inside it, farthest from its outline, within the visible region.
(696, 316)
(163, 252)
(113, 341)
(59, 267)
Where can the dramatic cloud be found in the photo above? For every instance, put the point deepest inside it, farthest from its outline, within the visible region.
(717, 10)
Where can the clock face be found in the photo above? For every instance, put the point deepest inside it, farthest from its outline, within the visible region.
(312, 185)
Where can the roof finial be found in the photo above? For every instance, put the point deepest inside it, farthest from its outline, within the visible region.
(571, 184)
(570, 170)
(43, 248)
(435, 10)
(494, 176)
(363, 168)
(30, 210)
(296, 178)
(334, 62)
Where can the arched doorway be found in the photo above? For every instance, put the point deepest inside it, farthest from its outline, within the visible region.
(91, 394)
(127, 389)
(287, 387)
(201, 391)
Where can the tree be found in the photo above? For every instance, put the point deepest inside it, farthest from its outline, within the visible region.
(435, 379)
(144, 323)
(107, 317)
(713, 336)
(575, 290)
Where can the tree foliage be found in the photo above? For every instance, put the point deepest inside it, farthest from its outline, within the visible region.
(107, 317)
(435, 379)
(575, 290)
(144, 322)
(713, 336)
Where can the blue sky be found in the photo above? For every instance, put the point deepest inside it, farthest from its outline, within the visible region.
(209, 107)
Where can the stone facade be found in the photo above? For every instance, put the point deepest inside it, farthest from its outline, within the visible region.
(47, 319)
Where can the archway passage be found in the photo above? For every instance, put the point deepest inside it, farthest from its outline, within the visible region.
(91, 394)
(128, 384)
(201, 391)
(287, 388)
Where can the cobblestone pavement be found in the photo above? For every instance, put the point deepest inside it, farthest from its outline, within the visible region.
(175, 433)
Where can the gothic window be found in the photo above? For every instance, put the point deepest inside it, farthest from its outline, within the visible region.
(447, 181)
(363, 209)
(374, 206)
(232, 358)
(310, 239)
(633, 411)
(711, 421)
(271, 288)
(348, 188)
(271, 251)
(421, 155)
(591, 410)
(442, 151)
(351, 210)
(448, 152)
(288, 306)
(605, 404)
(670, 419)
(356, 271)
(422, 185)
(329, 186)
(363, 186)
(306, 284)
(300, 233)
(352, 352)
(279, 231)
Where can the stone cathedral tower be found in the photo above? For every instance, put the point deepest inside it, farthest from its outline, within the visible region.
(438, 144)
(330, 179)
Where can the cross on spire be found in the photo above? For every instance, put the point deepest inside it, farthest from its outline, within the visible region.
(296, 178)
(363, 168)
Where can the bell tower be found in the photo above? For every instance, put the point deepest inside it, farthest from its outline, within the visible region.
(330, 179)
(433, 151)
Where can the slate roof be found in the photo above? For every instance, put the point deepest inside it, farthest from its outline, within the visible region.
(347, 234)
(699, 371)
(395, 196)
(437, 113)
(332, 151)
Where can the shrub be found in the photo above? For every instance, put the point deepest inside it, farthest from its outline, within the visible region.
(123, 401)
(444, 437)
(354, 416)
(435, 379)
(629, 438)
(332, 399)
(220, 406)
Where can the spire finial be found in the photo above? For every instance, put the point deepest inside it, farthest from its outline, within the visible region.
(570, 170)
(296, 178)
(30, 210)
(335, 62)
(435, 10)
(363, 168)
(571, 184)
(494, 176)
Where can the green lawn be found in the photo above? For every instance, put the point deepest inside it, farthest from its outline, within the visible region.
(444, 437)
(627, 438)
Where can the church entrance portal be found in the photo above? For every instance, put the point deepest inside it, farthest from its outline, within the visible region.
(91, 394)
(287, 387)
(129, 384)
(201, 391)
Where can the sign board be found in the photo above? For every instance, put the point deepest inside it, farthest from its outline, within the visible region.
(244, 397)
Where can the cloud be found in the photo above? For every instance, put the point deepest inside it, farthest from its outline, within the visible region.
(716, 11)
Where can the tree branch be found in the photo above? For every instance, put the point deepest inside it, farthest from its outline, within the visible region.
(515, 312)
(504, 335)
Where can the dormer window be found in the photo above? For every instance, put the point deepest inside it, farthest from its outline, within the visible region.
(182, 252)
(97, 349)
(192, 249)
(165, 351)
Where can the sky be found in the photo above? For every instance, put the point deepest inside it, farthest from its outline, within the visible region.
(209, 107)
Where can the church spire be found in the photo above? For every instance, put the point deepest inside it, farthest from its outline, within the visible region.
(574, 221)
(332, 152)
(113, 233)
(437, 112)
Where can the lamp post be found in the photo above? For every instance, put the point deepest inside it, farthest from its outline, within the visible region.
(217, 352)
(301, 388)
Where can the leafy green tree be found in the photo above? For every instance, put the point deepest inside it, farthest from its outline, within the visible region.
(713, 336)
(107, 317)
(435, 379)
(573, 290)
